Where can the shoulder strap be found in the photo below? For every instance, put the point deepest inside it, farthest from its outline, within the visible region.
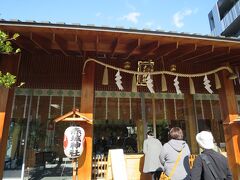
(175, 164)
(209, 164)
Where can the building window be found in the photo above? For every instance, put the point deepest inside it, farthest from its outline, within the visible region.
(211, 21)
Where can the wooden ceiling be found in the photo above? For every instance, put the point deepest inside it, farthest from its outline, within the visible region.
(123, 44)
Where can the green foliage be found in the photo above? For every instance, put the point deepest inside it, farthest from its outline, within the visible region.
(7, 80)
(6, 44)
(162, 130)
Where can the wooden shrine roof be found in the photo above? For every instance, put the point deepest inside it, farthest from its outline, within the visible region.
(123, 44)
(51, 51)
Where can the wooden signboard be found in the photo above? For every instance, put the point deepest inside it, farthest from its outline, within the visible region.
(116, 167)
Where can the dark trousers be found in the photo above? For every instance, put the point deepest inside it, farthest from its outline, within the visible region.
(156, 175)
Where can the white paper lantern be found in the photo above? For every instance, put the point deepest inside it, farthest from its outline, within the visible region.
(73, 143)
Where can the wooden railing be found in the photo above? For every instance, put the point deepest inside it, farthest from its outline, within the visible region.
(99, 166)
(191, 159)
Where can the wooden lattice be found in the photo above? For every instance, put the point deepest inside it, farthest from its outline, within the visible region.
(191, 159)
(99, 167)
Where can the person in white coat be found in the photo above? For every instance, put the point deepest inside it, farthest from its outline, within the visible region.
(152, 149)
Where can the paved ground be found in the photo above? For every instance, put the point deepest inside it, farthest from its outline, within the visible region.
(50, 172)
(12, 174)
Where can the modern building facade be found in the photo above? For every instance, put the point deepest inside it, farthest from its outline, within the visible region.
(224, 18)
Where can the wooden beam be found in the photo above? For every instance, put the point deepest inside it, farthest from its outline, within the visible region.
(182, 50)
(199, 51)
(87, 100)
(61, 43)
(165, 49)
(74, 116)
(149, 48)
(21, 41)
(231, 130)
(233, 55)
(234, 60)
(234, 52)
(41, 42)
(114, 46)
(132, 47)
(24, 44)
(97, 45)
(73, 119)
(84, 54)
(79, 43)
(216, 54)
(63, 116)
(188, 51)
(200, 54)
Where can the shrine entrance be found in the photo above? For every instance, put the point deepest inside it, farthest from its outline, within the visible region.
(122, 120)
(52, 61)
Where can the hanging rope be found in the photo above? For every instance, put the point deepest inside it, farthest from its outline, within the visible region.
(158, 72)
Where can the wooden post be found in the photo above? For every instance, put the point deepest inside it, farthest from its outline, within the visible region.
(7, 64)
(143, 112)
(6, 97)
(140, 135)
(87, 100)
(231, 131)
(191, 124)
(74, 168)
(154, 116)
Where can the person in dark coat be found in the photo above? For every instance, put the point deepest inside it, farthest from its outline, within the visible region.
(202, 171)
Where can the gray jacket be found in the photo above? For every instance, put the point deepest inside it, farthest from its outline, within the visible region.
(152, 149)
(219, 163)
(169, 156)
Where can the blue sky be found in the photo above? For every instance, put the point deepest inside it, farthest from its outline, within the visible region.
(189, 16)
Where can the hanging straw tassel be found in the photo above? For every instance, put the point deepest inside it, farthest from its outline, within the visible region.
(217, 81)
(164, 83)
(191, 86)
(134, 84)
(105, 77)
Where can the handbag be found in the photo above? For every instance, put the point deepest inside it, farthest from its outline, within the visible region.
(164, 176)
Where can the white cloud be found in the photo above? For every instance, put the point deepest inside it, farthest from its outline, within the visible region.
(130, 6)
(149, 24)
(179, 16)
(99, 14)
(132, 17)
(159, 27)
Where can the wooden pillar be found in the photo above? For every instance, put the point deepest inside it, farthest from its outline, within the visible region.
(140, 135)
(87, 100)
(154, 116)
(143, 112)
(6, 97)
(7, 64)
(231, 130)
(191, 125)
